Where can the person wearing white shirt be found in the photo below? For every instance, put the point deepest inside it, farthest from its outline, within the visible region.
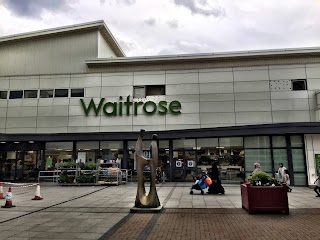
(281, 172)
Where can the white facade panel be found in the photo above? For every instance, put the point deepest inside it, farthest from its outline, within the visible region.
(22, 112)
(21, 130)
(313, 71)
(149, 78)
(54, 111)
(289, 95)
(207, 77)
(3, 113)
(313, 83)
(290, 104)
(253, 117)
(4, 83)
(25, 83)
(46, 122)
(217, 106)
(81, 121)
(52, 130)
(15, 102)
(209, 88)
(53, 101)
(190, 118)
(22, 122)
(182, 89)
(149, 120)
(260, 86)
(116, 121)
(245, 76)
(93, 92)
(55, 82)
(191, 107)
(83, 129)
(3, 122)
(117, 80)
(183, 98)
(123, 91)
(253, 106)
(3, 103)
(137, 128)
(287, 73)
(116, 128)
(290, 116)
(85, 80)
(214, 118)
(217, 97)
(252, 96)
(181, 126)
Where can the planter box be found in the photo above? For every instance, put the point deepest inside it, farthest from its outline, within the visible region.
(264, 198)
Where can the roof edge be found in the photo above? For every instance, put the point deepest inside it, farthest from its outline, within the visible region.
(207, 56)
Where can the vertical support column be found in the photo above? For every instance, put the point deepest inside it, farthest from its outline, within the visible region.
(74, 150)
(289, 155)
(2, 159)
(125, 155)
(43, 157)
(272, 157)
(172, 165)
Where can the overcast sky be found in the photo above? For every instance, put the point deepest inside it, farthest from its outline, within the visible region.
(162, 27)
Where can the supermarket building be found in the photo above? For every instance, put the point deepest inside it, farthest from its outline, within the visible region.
(71, 93)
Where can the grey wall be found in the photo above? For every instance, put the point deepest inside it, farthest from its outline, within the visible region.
(209, 98)
(59, 54)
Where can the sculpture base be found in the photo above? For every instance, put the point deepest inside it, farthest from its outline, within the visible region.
(146, 210)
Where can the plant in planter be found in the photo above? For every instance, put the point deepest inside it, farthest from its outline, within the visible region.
(263, 179)
(70, 164)
(263, 194)
(86, 178)
(90, 166)
(65, 178)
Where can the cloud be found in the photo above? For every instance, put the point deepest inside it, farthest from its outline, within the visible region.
(127, 2)
(127, 46)
(150, 22)
(185, 47)
(201, 7)
(173, 24)
(34, 8)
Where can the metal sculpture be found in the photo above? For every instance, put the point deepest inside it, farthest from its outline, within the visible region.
(144, 200)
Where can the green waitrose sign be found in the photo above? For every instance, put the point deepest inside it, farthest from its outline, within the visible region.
(124, 107)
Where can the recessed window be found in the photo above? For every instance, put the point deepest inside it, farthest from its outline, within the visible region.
(3, 94)
(77, 92)
(149, 90)
(30, 93)
(299, 84)
(139, 91)
(46, 93)
(155, 90)
(61, 93)
(15, 94)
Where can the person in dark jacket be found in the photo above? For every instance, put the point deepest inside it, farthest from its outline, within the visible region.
(216, 186)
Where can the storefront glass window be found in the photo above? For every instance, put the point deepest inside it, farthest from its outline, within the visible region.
(279, 141)
(257, 142)
(58, 154)
(262, 156)
(298, 160)
(296, 141)
(112, 151)
(88, 152)
(280, 156)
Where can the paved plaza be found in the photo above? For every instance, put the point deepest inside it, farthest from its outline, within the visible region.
(101, 212)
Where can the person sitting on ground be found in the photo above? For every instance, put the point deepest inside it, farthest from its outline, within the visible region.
(216, 186)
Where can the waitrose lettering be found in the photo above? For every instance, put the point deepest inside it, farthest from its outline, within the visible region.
(124, 107)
